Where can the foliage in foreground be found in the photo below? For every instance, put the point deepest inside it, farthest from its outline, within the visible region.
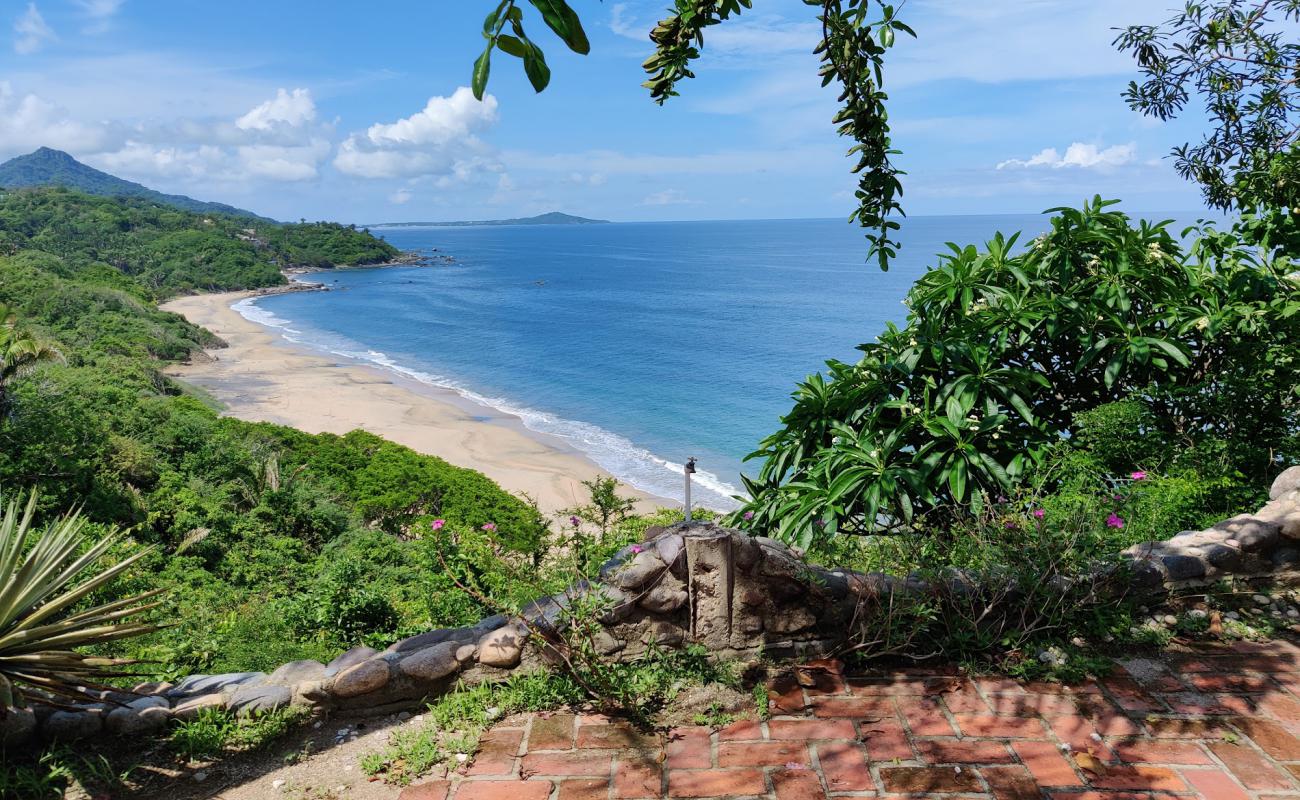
(1005, 351)
(214, 731)
(44, 577)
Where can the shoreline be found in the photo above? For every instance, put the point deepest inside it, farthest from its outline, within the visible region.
(260, 377)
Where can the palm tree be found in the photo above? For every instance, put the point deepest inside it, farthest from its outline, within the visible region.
(20, 353)
(42, 614)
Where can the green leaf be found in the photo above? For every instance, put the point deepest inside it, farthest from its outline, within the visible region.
(539, 75)
(482, 65)
(511, 45)
(562, 19)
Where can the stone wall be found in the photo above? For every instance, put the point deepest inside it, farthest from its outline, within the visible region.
(739, 596)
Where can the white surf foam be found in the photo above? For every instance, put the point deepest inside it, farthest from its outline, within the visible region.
(616, 454)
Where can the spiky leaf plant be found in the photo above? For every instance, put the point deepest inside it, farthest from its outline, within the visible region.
(42, 584)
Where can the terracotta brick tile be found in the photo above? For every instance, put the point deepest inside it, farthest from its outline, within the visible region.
(1032, 705)
(989, 726)
(929, 780)
(811, 729)
(1011, 783)
(1280, 706)
(429, 790)
(584, 789)
(786, 695)
(854, 707)
(1156, 751)
(592, 763)
(619, 736)
(637, 779)
(933, 722)
(1238, 683)
(1249, 767)
(993, 685)
(797, 784)
(496, 753)
(715, 782)
(762, 754)
(1214, 784)
(1079, 733)
(962, 751)
(885, 741)
(1211, 704)
(744, 731)
(1271, 737)
(845, 767)
(1186, 728)
(688, 748)
(551, 733)
(1089, 794)
(1143, 777)
(891, 686)
(1047, 764)
(504, 790)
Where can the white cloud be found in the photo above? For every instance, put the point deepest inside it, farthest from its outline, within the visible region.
(1083, 156)
(29, 121)
(748, 34)
(100, 9)
(440, 140)
(99, 15)
(400, 197)
(668, 197)
(31, 31)
(294, 109)
(277, 140)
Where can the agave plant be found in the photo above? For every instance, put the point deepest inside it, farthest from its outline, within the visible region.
(43, 583)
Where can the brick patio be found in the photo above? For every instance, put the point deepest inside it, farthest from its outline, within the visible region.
(1220, 724)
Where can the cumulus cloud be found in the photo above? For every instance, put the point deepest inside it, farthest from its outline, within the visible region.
(99, 14)
(1078, 154)
(400, 197)
(277, 140)
(31, 31)
(439, 140)
(294, 109)
(28, 121)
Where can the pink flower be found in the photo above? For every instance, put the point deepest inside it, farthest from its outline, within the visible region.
(1138, 475)
(437, 524)
(1114, 521)
(491, 526)
(1039, 513)
(636, 548)
(748, 515)
(574, 521)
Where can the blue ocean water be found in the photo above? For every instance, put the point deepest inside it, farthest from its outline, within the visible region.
(640, 344)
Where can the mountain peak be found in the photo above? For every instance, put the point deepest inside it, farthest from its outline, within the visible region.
(46, 166)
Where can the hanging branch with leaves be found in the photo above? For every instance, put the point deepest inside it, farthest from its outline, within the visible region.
(855, 36)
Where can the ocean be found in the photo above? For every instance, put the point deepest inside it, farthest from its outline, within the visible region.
(638, 344)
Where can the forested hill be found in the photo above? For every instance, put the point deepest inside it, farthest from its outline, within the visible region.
(303, 545)
(157, 251)
(49, 167)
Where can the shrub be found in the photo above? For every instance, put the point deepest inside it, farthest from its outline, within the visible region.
(1006, 351)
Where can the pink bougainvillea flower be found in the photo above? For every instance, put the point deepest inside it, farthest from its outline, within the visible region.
(1114, 521)
(491, 526)
(1138, 475)
(748, 515)
(636, 548)
(437, 524)
(1039, 513)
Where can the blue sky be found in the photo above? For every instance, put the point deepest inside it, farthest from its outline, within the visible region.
(357, 112)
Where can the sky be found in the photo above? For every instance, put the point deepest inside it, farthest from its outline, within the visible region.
(360, 112)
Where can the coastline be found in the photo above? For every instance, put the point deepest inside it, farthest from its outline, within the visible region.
(260, 377)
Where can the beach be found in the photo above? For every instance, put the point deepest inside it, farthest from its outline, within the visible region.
(261, 377)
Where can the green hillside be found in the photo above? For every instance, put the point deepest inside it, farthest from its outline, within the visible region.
(48, 167)
(304, 542)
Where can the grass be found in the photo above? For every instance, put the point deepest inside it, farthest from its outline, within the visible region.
(215, 731)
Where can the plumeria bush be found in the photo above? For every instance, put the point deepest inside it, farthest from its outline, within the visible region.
(1178, 360)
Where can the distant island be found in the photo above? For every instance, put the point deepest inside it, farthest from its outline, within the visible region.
(49, 167)
(549, 218)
